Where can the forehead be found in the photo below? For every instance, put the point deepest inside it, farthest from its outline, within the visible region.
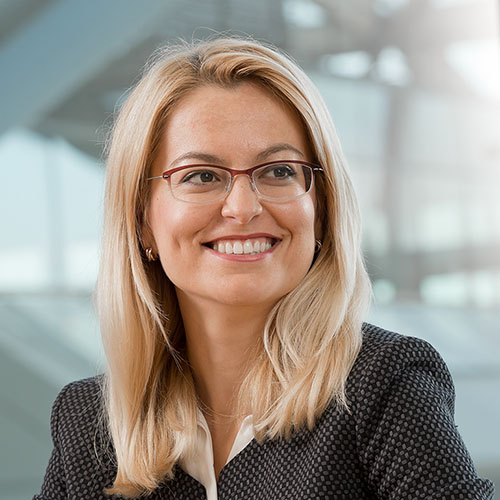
(242, 120)
(209, 97)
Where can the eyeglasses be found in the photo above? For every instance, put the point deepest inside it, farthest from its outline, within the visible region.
(281, 180)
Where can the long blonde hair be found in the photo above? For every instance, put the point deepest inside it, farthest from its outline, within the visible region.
(312, 335)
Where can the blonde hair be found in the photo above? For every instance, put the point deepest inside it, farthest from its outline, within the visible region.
(312, 335)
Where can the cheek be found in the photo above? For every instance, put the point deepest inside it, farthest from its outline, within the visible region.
(304, 218)
(176, 225)
(159, 221)
(164, 223)
(308, 230)
(300, 219)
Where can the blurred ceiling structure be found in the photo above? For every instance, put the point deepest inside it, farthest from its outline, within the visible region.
(77, 55)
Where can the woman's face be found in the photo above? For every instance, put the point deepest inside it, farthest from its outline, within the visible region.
(236, 128)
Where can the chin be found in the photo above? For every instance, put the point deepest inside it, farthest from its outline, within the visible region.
(246, 299)
(262, 303)
(242, 293)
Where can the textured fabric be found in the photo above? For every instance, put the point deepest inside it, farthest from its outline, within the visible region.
(398, 441)
(201, 464)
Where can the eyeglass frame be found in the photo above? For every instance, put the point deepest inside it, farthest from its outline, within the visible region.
(249, 171)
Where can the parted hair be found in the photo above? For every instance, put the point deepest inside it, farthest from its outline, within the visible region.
(312, 335)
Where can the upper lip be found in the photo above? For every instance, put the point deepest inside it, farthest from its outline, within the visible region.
(243, 237)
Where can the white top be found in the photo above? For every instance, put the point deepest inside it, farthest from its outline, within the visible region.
(201, 464)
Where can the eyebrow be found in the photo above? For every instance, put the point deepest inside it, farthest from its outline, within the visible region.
(214, 159)
(277, 148)
(197, 155)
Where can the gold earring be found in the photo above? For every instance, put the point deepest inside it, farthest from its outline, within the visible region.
(149, 254)
(317, 246)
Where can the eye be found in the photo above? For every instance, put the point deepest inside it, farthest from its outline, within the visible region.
(200, 177)
(283, 171)
(279, 171)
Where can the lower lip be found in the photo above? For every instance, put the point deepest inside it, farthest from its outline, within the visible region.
(242, 257)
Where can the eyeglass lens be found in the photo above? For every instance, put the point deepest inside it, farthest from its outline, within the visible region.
(205, 183)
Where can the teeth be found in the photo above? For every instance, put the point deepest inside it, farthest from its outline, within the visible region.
(247, 247)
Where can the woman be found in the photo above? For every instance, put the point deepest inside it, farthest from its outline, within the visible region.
(232, 295)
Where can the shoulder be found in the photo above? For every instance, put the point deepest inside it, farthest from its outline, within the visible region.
(377, 341)
(384, 351)
(79, 406)
(404, 365)
(82, 396)
(83, 461)
(82, 390)
(401, 399)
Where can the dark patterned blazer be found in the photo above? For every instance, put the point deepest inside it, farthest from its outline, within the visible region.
(398, 441)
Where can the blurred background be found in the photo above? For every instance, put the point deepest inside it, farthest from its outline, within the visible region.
(414, 90)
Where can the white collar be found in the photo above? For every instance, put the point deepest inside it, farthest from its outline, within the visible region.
(200, 464)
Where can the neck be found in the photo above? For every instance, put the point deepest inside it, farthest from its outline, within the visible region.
(221, 342)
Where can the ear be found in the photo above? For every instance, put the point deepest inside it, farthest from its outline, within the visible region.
(146, 238)
(318, 228)
(319, 219)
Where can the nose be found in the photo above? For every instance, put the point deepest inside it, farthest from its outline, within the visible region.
(242, 203)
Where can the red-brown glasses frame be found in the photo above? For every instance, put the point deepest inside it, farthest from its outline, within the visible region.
(249, 171)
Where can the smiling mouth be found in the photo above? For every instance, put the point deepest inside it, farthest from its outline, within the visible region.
(250, 246)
